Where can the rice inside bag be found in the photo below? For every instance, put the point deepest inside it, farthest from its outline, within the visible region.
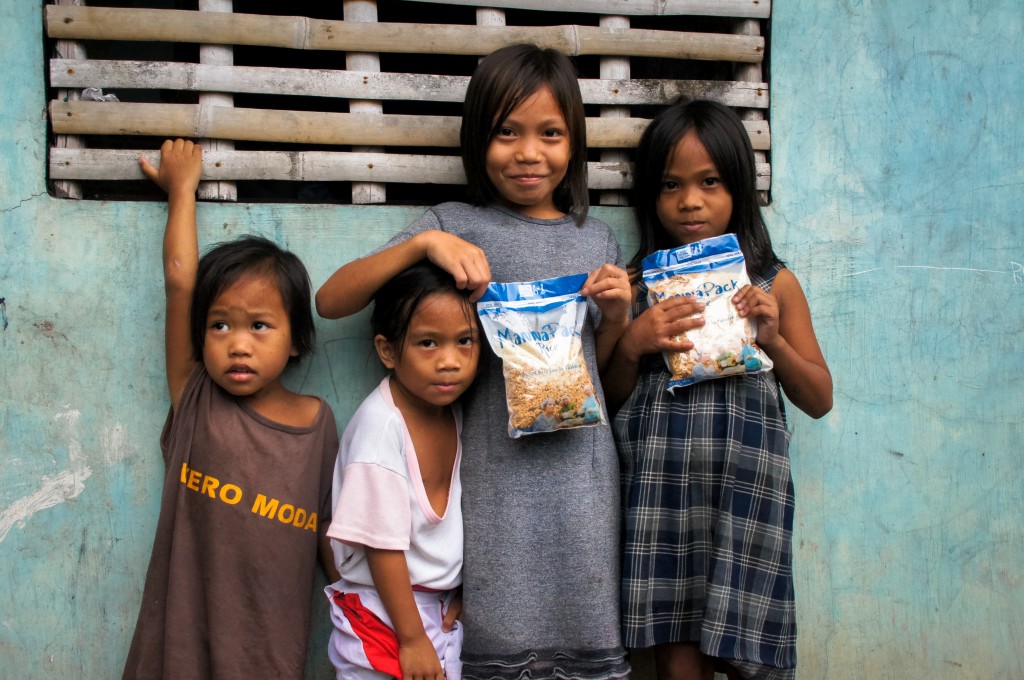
(535, 327)
(711, 271)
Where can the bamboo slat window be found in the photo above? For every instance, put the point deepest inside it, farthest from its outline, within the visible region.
(359, 101)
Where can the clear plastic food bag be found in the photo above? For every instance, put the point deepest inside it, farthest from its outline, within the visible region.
(535, 327)
(712, 271)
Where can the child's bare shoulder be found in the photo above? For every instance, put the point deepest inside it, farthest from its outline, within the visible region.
(294, 410)
(788, 291)
(307, 408)
(785, 282)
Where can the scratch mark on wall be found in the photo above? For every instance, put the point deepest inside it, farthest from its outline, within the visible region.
(1015, 270)
(955, 269)
(115, 444)
(53, 490)
(3, 314)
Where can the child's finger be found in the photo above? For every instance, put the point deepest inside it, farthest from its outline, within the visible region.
(613, 280)
(604, 290)
(148, 169)
(477, 276)
(676, 346)
(676, 332)
(452, 613)
(690, 322)
(757, 304)
(465, 262)
(478, 292)
(680, 306)
(603, 278)
(748, 296)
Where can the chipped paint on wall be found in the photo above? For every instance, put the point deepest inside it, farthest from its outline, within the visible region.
(52, 490)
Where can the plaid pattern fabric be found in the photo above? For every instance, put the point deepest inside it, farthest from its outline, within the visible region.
(708, 501)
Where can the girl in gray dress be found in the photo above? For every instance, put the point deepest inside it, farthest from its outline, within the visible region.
(540, 579)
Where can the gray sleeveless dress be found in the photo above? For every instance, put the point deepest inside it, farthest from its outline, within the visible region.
(541, 513)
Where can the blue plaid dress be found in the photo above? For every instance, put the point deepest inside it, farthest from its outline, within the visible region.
(708, 503)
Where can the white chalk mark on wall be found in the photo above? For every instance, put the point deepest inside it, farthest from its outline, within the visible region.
(866, 271)
(115, 444)
(1015, 270)
(54, 490)
(953, 269)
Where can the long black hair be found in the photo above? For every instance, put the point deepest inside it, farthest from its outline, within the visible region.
(722, 133)
(502, 81)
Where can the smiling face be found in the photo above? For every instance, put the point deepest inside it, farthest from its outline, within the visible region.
(248, 338)
(527, 158)
(694, 203)
(437, 360)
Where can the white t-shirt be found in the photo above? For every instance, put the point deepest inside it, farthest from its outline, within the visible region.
(380, 501)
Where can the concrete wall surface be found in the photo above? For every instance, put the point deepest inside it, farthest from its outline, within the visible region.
(898, 158)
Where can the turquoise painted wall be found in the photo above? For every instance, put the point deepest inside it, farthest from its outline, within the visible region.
(897, 158)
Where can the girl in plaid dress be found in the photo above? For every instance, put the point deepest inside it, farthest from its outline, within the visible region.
(707, 491)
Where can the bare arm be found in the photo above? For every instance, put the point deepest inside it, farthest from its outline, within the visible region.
(650, 333)
(353, 286)
(416, 653)
(786, 334)
(326, 554)
(181, 165)
(608, 286)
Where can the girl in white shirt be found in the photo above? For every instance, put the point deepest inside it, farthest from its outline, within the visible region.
(397, 528)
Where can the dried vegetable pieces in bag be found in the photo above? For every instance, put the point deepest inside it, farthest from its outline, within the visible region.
(711, 271)
(535, 328)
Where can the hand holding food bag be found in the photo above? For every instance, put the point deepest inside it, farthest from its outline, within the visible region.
(712, 271)
(535, 327)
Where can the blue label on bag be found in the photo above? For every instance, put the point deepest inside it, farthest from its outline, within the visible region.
(540, 291)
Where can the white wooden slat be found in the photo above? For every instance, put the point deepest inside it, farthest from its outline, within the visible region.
(264, 125)
(647, 92)
(219, 55)
(311, 127)
(73, 50)
(343, 84)
(752, 71)
(130, 24)
(312, 166)
(614, 68)
(487, 16)
(299, 166)
(724, 8)
(370, 132)
(165, 75)
(364, 11)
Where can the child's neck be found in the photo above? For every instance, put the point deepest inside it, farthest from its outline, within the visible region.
(413, 408)
(283, 406)
(534, 212)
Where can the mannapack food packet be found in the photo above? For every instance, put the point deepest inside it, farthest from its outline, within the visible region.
(712, 271)
(536, 327)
